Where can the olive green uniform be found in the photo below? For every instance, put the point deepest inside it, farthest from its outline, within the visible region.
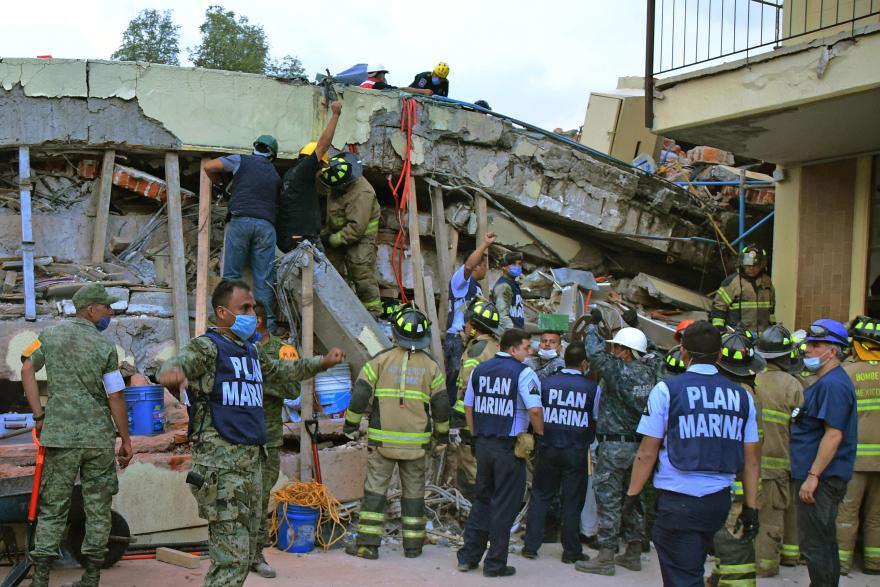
(406, 392)
(230, 499)
(743, 301)
(352, 224)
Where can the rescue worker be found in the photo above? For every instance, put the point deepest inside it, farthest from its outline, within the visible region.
(570, 403)
(626, 381)
(823, 449)
(481, 330)
(734, 553)
(352, 224)
(464, 286)
(696, 463)
(672, 364)
(76, 427)
(746, 298)
(436, 80)
(406, 391)
(376, 81)
(862, 501)
(503, 396)
(223, 374)
(778, 392)
(549, 360)
(506, 294)
(299, 212)
(251, 217)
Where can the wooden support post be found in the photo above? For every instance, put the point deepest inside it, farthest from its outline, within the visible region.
(203, 252)
(307, 349)
(102, 213)
(441, 242)
(482, 229)
(453, 249)
(436, 338)
(176, 250)
(415, 247)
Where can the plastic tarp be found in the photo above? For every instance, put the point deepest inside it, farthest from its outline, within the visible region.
(354, 75)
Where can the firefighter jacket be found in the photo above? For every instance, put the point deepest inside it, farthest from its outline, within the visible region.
(866, 378)
(778, 393)
(352, 214)
(740, 300)
(406, 394)
(479, 349)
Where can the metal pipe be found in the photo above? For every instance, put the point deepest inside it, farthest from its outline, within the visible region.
(753, 228)
(649, 65)
(752, 183)
(27, 235)
(651, 237)
(742, 203)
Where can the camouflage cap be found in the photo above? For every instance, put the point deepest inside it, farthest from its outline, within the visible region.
(93, 293)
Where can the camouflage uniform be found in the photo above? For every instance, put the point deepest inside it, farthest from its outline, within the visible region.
(544, 368)
(625, 388)
(352, 224)
(743, 301)
(230, 498)
(78, 434)
(505, 299)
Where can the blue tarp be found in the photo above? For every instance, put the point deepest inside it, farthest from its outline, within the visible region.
(354, 75)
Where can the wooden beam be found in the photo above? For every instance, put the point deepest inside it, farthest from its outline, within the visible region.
(176, 250)
(415, 247)
(453, 249)
(436, 338)
(441, 240)
(102, 213)
(204, 250)
(186, 560)
(307, 349)
(482, 229)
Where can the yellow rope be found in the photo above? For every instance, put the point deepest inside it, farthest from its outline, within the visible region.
(309, 495)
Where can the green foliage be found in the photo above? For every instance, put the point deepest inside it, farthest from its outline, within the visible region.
(288, 66)
(151, 36)
(230, 44)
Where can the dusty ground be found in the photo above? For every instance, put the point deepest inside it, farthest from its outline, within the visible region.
(435, 567)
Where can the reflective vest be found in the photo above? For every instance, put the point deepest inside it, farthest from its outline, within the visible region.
(706, 423)
(369, 83)
(866, 378)
(236, 400)
(496, 390)
(568, 401)
(778, 393)
(516, 310)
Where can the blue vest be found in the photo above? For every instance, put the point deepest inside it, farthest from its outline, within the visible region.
(454, 302)
(255, 189)
(236, 400)
(517, 311)
(568, 400)
(496, 392)
(706, 423)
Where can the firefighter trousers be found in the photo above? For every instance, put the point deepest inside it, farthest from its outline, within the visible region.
(773, 500)
(861, 504)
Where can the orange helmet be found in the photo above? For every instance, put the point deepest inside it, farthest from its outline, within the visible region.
(682, 326)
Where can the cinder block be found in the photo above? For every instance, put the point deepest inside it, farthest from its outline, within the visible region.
(343, 469)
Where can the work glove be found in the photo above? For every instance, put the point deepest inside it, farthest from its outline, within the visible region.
(595, 316)
(335, 240)
(631, 317)
(748, 521)
(631, 504)
(454, 437)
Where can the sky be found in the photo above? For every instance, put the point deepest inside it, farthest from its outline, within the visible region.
(536, 61)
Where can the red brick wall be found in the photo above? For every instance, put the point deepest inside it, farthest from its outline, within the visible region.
(826, 225)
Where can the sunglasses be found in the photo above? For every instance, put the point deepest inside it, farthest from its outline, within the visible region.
(821, 332)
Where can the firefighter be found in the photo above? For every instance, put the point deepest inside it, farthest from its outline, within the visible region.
(863, 491)
(746, 298)
(407, 392)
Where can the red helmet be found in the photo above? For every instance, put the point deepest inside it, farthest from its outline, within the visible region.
(682, 326)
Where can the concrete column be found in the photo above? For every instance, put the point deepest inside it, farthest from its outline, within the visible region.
(786, 240)
(861, 233)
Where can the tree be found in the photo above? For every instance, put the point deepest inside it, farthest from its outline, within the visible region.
(230, 44)
(288, 66)
(151, 36)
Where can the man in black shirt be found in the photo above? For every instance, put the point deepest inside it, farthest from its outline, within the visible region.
(299, 213)
(435, 80)
(376, 81)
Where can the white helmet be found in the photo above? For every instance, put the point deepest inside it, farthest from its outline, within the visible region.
(376, 68)
(631, 338)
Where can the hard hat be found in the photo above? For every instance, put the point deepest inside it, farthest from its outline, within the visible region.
(774, 342)
(309, 148)
(483, 313)
(674, 362)
(441, 70)
(376, 68)
(411, 328)
(269, 141)
(752, 255)
(341, 170)
(827, 330)
(865, 329)
(738, 356)
(682, 326)
(631, 338)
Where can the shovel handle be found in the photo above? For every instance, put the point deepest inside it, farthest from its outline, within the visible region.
(35, 488)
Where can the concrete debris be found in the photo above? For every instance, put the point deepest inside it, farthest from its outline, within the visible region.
(651, 291)
(134, 180)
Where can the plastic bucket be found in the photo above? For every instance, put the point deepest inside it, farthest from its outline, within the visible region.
(297, 530)
(334, 389)
(146, 409)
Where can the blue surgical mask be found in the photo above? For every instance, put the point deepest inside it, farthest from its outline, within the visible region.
(244, 326)
(435, 80)
(812, 363)
(515, 271)
(102, 324)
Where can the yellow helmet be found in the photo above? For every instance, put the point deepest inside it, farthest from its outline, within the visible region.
(310, 148)
(441, 70)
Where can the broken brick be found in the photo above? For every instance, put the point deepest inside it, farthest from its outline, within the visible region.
(711, 155)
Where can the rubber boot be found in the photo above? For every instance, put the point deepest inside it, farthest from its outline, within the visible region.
(261, 567)
(362, 551)
(601, 565)
(91, 577)
(631, 559)
(40, 575)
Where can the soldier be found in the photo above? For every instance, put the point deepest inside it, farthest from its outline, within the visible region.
(549, 360)
(863, 491)
(76, 428)
(506, 294)
(779, 393)
(406, 391)
(223, 374)
(481, 329)
(352, 224)
(626, 381)
(746, 298)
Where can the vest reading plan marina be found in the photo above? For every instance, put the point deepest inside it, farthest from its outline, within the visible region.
(244, 393)
(501, 406)
(556, 412)
(712, 425)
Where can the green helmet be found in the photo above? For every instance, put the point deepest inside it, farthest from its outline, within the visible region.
(674, 362)
(411, 328)
(269, 141)
(483, 313)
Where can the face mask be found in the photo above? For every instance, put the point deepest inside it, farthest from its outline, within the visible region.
(814, 363)
(244, 326)
(102, 324)
(548, 354)
(435, 80)
(515, 271)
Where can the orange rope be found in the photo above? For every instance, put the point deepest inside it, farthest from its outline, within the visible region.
(401, 197)
(309, 495)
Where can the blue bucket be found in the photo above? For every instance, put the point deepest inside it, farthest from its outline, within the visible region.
(334, 389)
(298, 528)
(146, 409)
